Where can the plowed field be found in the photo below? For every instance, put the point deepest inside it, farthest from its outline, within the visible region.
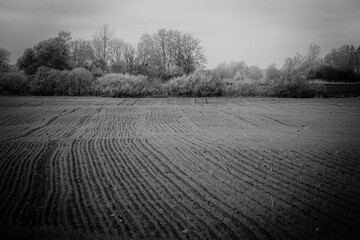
(100, 168)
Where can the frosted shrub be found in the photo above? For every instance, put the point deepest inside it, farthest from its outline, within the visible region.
(123, 85)
(196, 84)
(80, 82)
(13, 83)
(48, 81)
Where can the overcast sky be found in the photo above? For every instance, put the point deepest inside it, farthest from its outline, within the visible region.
(258, 32)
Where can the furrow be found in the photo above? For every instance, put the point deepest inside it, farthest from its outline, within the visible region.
(347, 160)
(8, 156)
(127, 215)
(275, 185)
(100, 216)
(264, 178)
(23, 211)
(315, 174)
(19, 183)
(53, 195)
(10, 186)
(284, 196)
(154, 209)
(323, 189)
(75, 201)
(140, 188)
(235, 183)
(172, 192)
(184, 180)
(64, 182)
(38, 191)
(91, 172)
(109, 184)
(328, 159)
(83, 187)
(152, 180)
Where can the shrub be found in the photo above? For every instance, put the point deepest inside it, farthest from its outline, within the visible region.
(195, 84)
(60, 79)
(97, 72)
(14, 83)
(332, 73)
(4, 61)
(118, 67)
(294, 86)
(154, 88)
(125, 85)
(181, 86)
(209, 86)
(39, 84)
(232, 70)
(80, 82)
(240, 89)
(48, 81)
(272, 73)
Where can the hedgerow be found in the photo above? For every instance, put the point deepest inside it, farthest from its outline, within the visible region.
(48, 81)
(125, 85)
(197, 84)
(81, 82)
(14, 83)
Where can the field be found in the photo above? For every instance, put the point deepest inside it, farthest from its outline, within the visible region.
(103, 168)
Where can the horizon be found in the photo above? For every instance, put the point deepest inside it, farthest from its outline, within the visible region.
(256, 32)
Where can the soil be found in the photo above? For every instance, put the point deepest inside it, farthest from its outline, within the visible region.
(179, 168)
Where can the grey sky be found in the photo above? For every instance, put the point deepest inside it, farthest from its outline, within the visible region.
(259, 32)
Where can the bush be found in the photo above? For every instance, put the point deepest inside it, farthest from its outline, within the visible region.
(182, 86)
(80, 82)
(272, 73)
(294, 86)
(14, 83)
(209, 86)
(97, 72)
(232, 70)
(125, 85)
(118, 67)
(332, 73)
(48, 81)
(195, 84)
(245, 90)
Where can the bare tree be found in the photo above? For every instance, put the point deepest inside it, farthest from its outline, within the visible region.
(161, 47)
(66, 37)
(130, 57)
(171, 52)
(101, 43)
(116, 50)
(300, 59)
(146, 50)
(255, 73)
(313, 52)
(193, 53)
(272, 73)
(81, 53)
(4, 60)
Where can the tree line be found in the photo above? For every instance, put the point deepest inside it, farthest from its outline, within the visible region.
(169, 53)
(164, 63)
(341, 64)
(164, 54)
